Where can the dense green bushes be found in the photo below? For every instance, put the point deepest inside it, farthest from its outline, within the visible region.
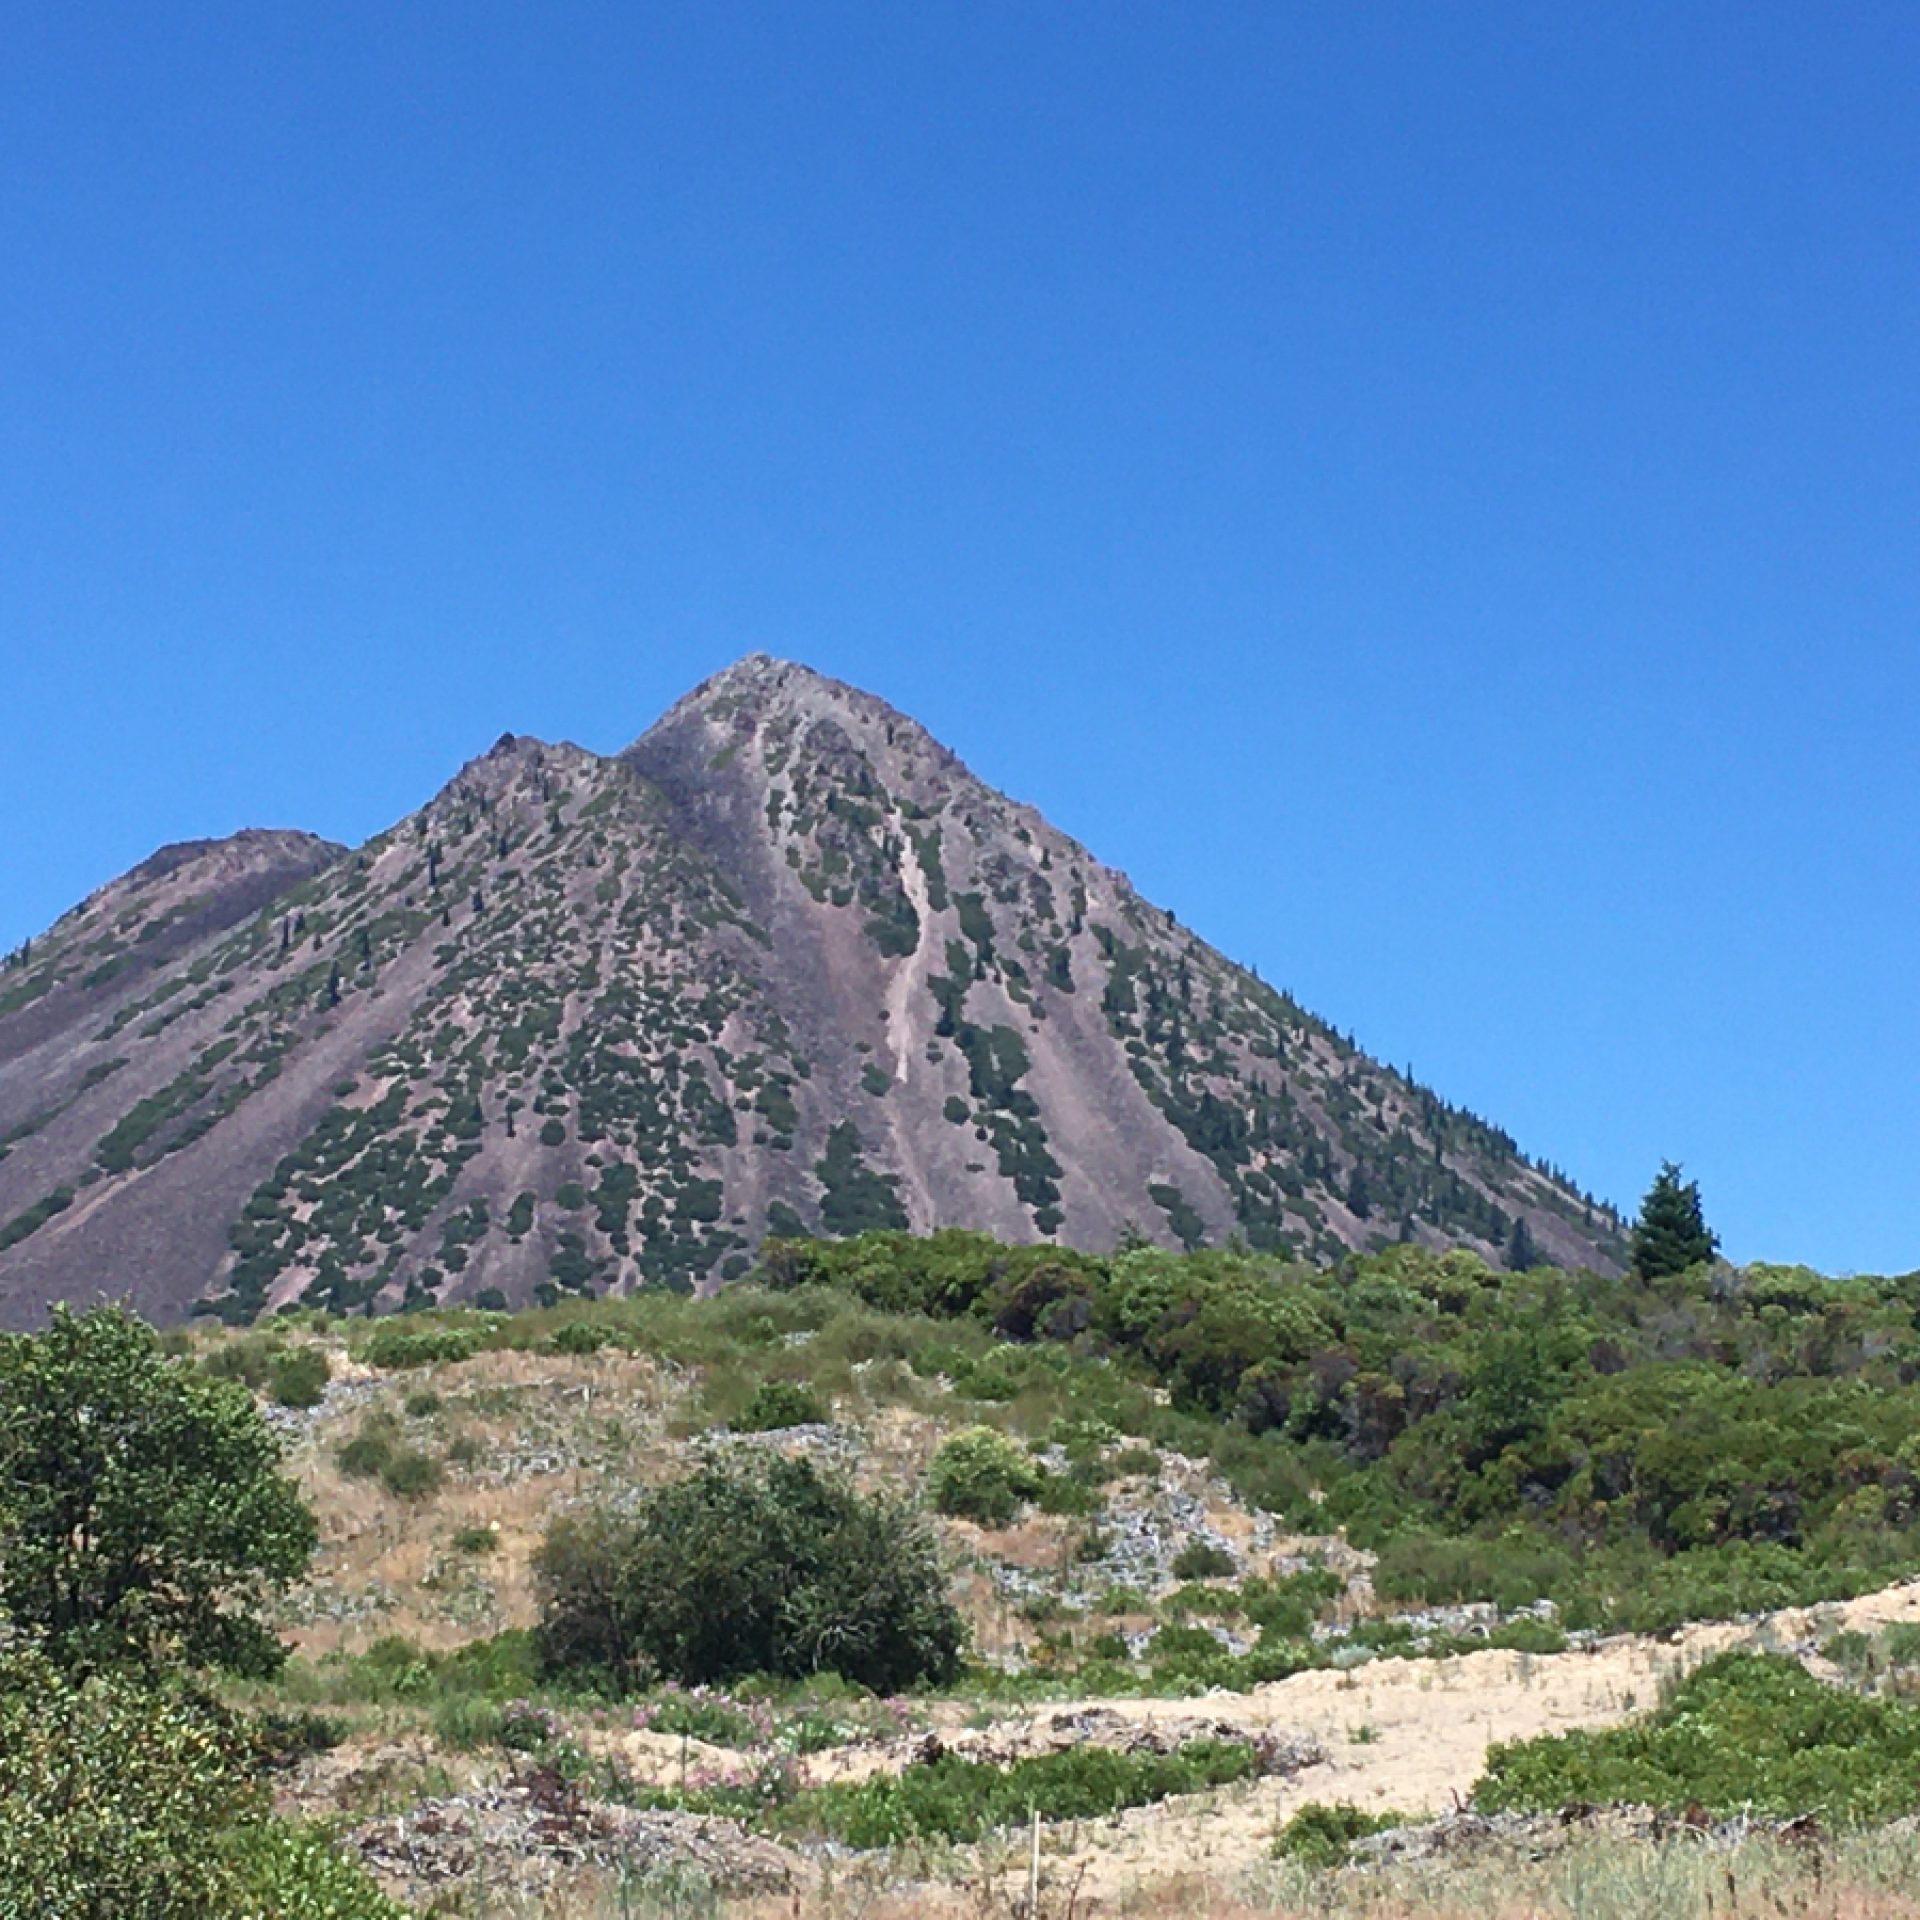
(1743, 1733)
(766, 1566)
(1639, 1450)
(113, 1796)
(958, 1800)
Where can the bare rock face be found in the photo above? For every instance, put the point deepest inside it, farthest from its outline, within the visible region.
(783, 966)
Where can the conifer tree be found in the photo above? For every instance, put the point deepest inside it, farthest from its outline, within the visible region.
(1671, 1233)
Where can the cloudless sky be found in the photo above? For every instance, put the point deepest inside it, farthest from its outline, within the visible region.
(1429, 491)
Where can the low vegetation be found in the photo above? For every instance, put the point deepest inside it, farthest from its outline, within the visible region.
(891, 1485)
(1746, 1733)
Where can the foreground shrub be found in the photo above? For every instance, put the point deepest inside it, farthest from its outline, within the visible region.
(1744, 1732)
(145, 1519)
(292, 1874)
(748, 1567)
(126, 1800)
(112, 1798)
(982, 1475)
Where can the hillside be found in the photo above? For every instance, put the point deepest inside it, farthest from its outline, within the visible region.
(1715, 1462)
(588, 1023)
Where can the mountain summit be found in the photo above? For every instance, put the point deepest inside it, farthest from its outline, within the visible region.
(784, 965)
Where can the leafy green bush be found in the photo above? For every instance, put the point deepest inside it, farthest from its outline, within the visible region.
(1322, 1835)
(766, 1566)
(393, 1344)
(250, 1359)
(409, 1473)
(292, 1873)
(582, 1337)
(364, 1454)
(299, 1378)
(958, 1800)
(981, 1475)
(124, 1800)
(113, 1798)
(700, 1716)
(1203, 1560)
(145, 1518)
(775, 1404)
(1640, 1451)
(1744, 1731)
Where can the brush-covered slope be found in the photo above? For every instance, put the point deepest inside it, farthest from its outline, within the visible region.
(588, 1023)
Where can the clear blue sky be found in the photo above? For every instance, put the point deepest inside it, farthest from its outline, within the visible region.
(1430, 491)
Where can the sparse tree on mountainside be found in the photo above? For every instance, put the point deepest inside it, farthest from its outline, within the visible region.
(1671, 1233)
(1521, 1252)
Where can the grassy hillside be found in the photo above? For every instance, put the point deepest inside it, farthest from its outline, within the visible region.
(1220, 1530)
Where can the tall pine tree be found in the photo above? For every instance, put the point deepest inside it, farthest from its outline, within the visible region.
(1671, 1235)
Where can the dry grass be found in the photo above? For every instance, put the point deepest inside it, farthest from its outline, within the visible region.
(1871, 1878)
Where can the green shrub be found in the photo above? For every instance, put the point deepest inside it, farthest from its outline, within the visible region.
(1320, 1835)
(1066, 1494)
(1527, 1635)
(133, 1801)
(411, 1474)
(581, 1337)
(475, 1540)
(292, 1873)
(364, 1454)
(1853, 1652)
(700, 1716)
(760, 1566)
(467, 1722)
(113, 1799)
(145, 1518)
(1203, 1560)
(981, 1475)
(299, 1378)
(775, 1404)
(250, 1358)
(375, 1451)
(1743, 1732)
(959, 1800)
(394, 1345)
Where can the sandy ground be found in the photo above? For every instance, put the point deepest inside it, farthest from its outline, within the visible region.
(1409, 1735)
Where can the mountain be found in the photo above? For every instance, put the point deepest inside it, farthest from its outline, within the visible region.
(587, 1022)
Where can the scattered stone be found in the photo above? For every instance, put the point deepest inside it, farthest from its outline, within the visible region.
(536, 1828)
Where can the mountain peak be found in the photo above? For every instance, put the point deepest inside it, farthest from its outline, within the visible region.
(759, 688)
(586, 1023)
